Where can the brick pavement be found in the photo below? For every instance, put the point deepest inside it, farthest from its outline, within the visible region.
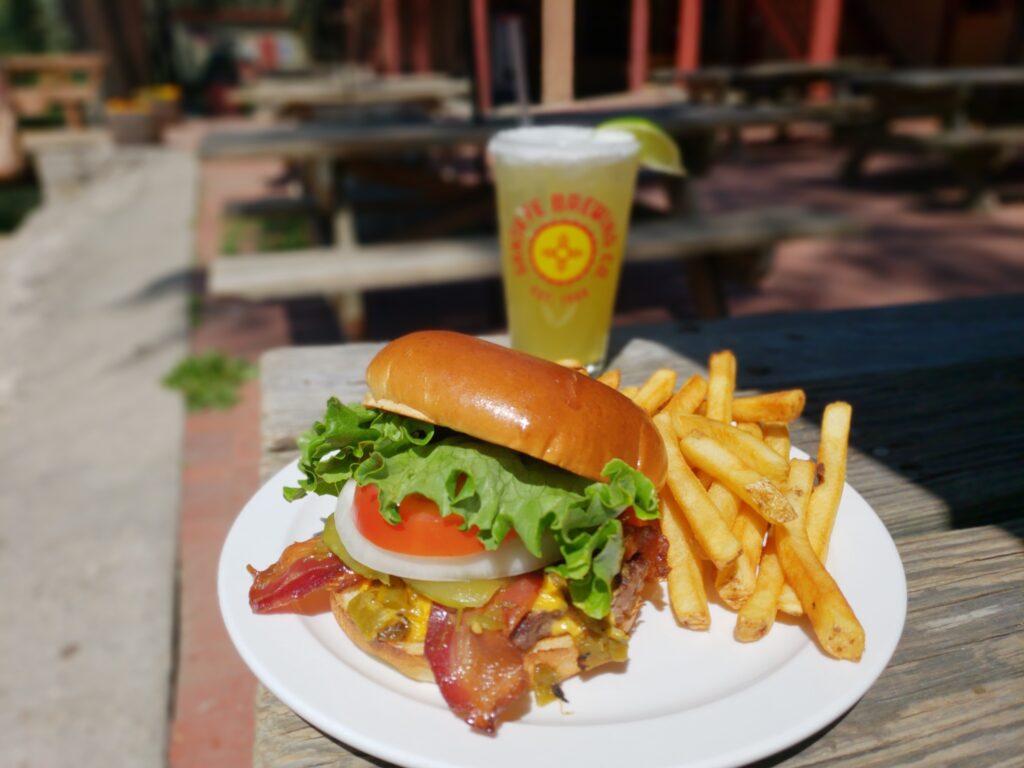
(212, 719)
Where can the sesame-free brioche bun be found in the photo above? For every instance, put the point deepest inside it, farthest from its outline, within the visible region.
(515, 400)
(407, 658)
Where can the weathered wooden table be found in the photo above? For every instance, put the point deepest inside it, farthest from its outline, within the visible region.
(302, 96)
(975, 143)
(936, 448)
(335, 156)
(774, 81)
(945, 92)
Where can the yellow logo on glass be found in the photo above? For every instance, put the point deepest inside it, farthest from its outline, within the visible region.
(562, 252)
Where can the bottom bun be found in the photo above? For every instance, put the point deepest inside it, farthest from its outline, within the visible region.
(407, 658)
(557, 654)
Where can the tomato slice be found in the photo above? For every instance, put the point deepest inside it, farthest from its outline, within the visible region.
(422, 531)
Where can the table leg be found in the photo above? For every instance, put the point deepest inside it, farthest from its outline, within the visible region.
(73, 115)
(862, 141)
(325, 182)
(706, 288)
(349, 307)
(974, 170)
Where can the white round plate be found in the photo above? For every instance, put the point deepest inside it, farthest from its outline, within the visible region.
(684, 699)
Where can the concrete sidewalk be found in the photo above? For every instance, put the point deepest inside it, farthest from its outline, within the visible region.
(92, 315)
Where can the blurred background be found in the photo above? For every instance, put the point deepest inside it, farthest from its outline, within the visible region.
(185, 184)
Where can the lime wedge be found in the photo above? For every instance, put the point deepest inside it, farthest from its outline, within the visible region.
(658, 151)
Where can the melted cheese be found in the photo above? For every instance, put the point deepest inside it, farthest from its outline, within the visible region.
(566, 626)
(418, 617)
(550, 599)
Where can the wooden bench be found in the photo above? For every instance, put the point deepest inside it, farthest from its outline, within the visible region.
(974, 150)
(778, 82)
(974, 153)
(730, 247)
(301, 97)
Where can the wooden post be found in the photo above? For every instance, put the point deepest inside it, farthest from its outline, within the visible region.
(639, 41)
(482, 55)
(390, 37)
(420, 43)
(825, 18)
(557, 50)
(688, 36)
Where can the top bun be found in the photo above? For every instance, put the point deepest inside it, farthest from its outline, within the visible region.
(512, 399)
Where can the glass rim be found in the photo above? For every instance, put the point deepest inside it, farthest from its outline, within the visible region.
(556, 144)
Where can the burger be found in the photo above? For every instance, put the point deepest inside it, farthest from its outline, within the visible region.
(496, 524)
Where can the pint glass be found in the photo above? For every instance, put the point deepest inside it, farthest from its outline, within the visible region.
(564, 196)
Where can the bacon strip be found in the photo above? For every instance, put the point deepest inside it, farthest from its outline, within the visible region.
(301, 581)
(477, 667)
(644, 560)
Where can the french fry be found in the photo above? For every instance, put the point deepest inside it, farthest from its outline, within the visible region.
(798, 492)
(799, 485)
(784, 406)
(751, 487)
(689, 396)
(569, 362)
(686, 592)
(746, 447)
(721, 384)
(832, 451)
(630, 392)
(611, 378)
(757, 614)
(711, 533)
(789, 603)
(751, 429)
(727, 503)
(656, 391)
(835, 625)
(776, 436)
(735, 583)
(718, 406)
(821, 514)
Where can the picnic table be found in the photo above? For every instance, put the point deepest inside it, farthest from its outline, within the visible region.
(303, 96)
(938, 434)
(328, 152)
(967, 141)
(40, 82)
(778, 81)
(333, 141)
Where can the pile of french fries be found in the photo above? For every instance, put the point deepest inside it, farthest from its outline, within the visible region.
(739, 515)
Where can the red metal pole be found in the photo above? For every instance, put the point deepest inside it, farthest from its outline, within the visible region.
(639, 36)
(390, 42)
(825, 18)
(482, 54)
(688, 37)
(420, 43)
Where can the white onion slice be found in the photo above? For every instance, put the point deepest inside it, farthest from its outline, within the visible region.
(510, 559)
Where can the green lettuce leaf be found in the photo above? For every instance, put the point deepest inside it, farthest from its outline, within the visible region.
(500, 491)
(347, 436)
